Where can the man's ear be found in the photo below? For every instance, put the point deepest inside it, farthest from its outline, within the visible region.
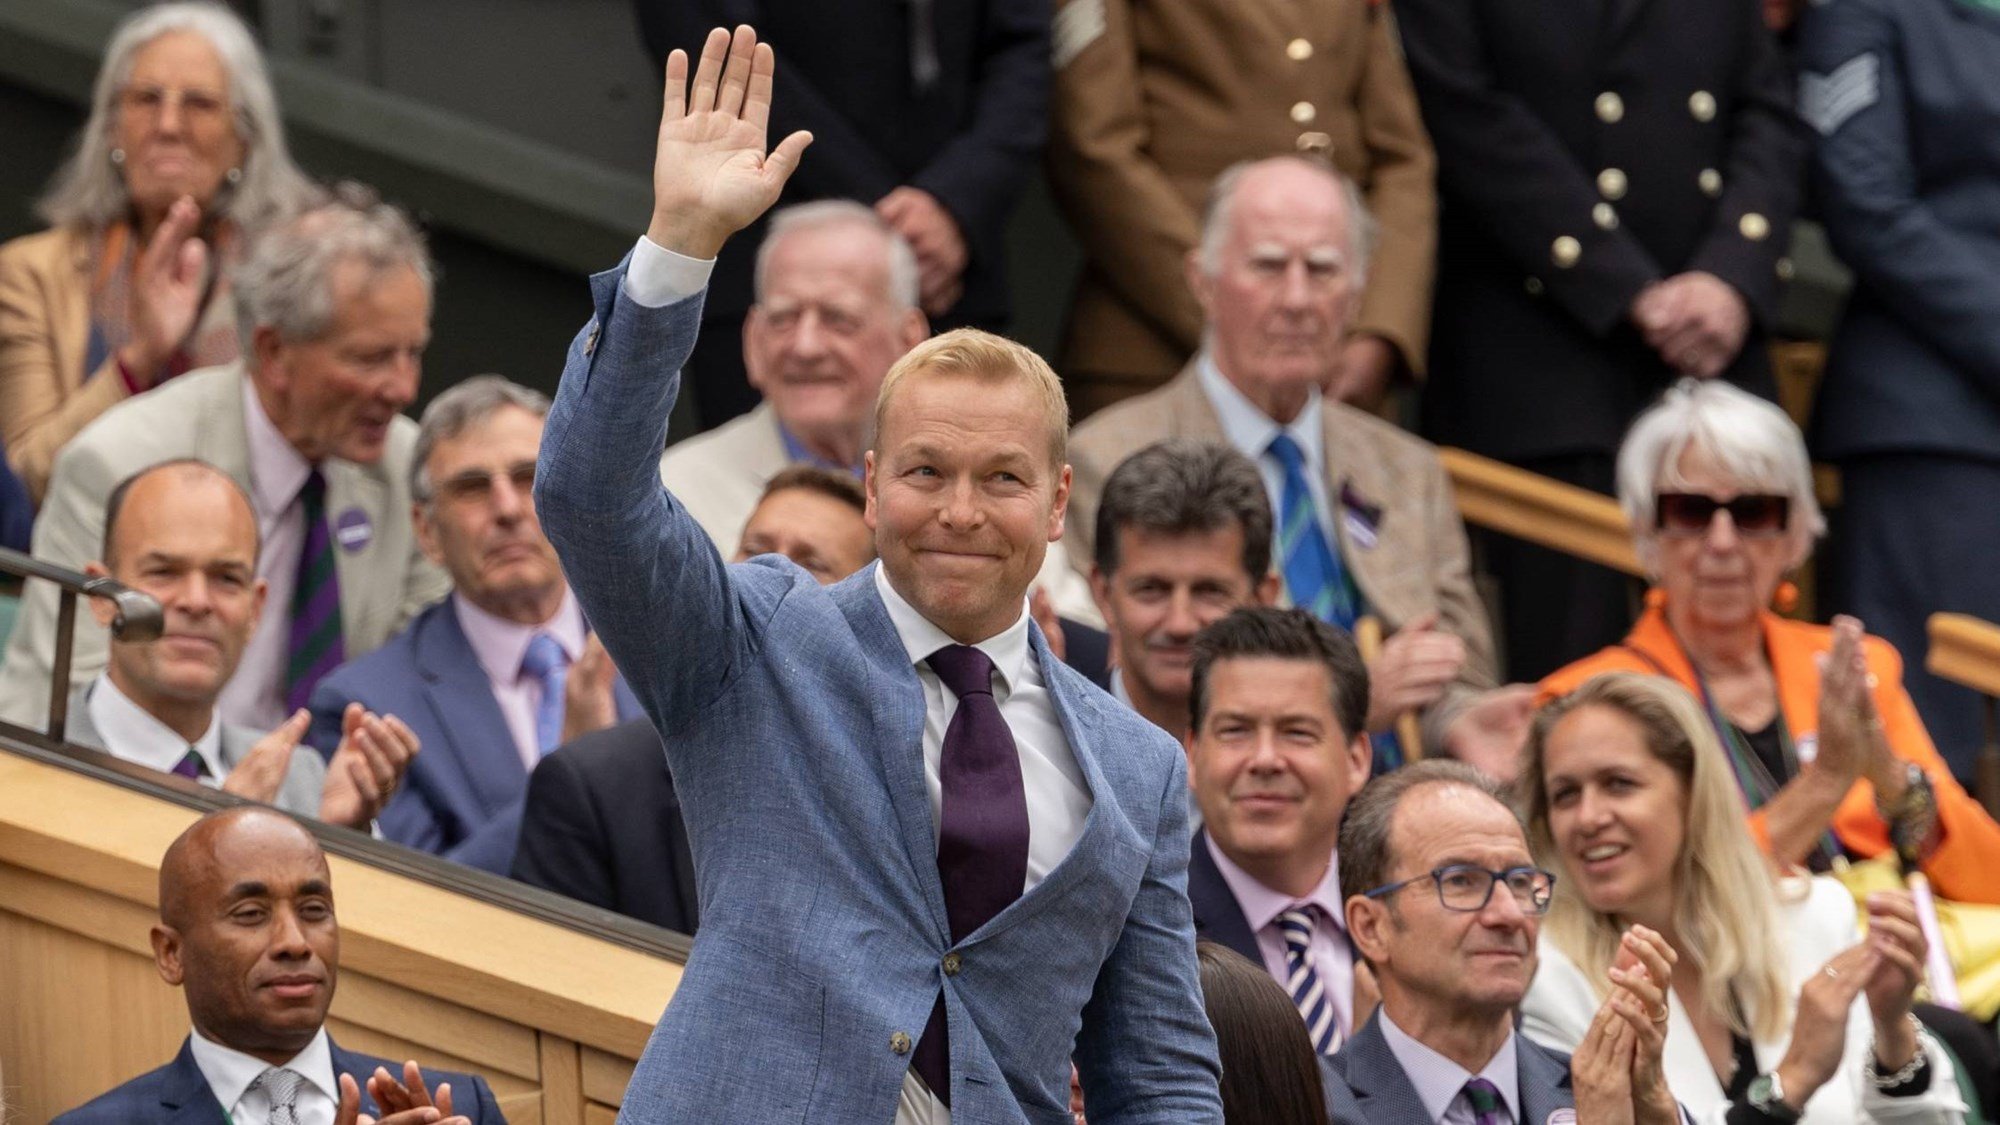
(869, 515)
(916, 328)
(427, 536)
(100, 608)
(167, 953)
(1267, 589)
(1198, 280)
(1360, 759)
(1368, 926)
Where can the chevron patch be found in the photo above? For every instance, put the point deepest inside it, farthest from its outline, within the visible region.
(1076, 26)
(1826, 101)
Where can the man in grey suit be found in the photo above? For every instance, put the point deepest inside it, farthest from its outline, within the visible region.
(1445, 904)
(934, 862)
(334, 310)
(185, 534)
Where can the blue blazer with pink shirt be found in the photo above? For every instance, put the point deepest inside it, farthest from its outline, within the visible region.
(463, 796)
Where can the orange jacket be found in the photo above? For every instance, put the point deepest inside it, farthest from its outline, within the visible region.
(1965, 866)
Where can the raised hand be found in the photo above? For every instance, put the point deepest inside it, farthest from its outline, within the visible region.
(366, 768)
(1893, 932)
(1412, 670)
(711, 174)
(1489, 733)
(166, 292)
(1641, 976)
(261, 773)
(1819, 1028)
(1600, 1070)
(1844, 707)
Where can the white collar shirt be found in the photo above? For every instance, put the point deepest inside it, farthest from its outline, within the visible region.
(232, 1077)
(255, 695)
(132, 734)
(1250, 431)
(1440, 1082)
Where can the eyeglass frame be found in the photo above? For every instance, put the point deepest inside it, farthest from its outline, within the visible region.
(475, 486)
(1782, 502)
(1493, 879)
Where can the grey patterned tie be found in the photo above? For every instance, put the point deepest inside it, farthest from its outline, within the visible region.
(282, 1086)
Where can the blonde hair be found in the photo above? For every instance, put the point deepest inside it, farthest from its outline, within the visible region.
(1725, 903)
(991, 359)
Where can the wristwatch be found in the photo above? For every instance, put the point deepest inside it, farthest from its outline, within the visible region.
(1767, 1096)
(1912, 818)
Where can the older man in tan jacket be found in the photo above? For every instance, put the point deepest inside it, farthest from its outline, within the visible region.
(1364, 511)
(1152, 101)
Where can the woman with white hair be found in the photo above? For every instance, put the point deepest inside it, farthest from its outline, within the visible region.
(182, 159)
(1719, 491)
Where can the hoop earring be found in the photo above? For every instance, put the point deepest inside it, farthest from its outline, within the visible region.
(117, 156)
(234, 176)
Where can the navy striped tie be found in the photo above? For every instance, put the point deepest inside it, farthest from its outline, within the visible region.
(316, 646)
(1308, 991)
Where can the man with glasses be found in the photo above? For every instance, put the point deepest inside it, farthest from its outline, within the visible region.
(502, 671)
(1445, 904)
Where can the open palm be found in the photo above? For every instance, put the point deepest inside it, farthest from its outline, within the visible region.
(711, 174)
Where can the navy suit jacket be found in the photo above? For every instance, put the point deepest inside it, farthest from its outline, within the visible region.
(1364, 1082)
(793, 723)
(603, 826)
(177, 1094)
(1217, 915)
(462, 796)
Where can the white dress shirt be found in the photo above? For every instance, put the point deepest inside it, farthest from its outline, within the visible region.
(255, 695)
(1440, 1082)
(232, 1076)
(1332, 958)
(132, 734)
(500, 644)
(1250, 431)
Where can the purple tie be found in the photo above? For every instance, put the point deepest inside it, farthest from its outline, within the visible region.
(315, 646)
(1486, 1104)
(983, 831)
(190, 766)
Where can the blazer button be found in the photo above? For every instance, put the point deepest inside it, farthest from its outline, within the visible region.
(1534, 286)
(1610, 108)
(952, 963)
(1315, 144)
(1754, 227)
(1710, 181)
(1565, 251)
(1303, 113)
(900, 1042)
(1611, 184)
(1299, 50)
(1701, 104)
(1604, 217)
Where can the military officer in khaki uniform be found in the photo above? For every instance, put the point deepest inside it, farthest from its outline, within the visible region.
(1153, 98)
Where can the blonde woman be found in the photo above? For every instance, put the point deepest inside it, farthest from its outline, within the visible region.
(1778, 1011)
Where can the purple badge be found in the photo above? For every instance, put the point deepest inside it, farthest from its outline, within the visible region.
(353, 530)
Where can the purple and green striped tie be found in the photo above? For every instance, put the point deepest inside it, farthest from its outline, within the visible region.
(1486, 1105)
(316, 647)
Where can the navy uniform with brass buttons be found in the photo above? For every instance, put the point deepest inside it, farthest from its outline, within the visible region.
(1587, 149)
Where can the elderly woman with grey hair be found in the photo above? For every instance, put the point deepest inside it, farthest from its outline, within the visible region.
(182, 158)
(1720, 494)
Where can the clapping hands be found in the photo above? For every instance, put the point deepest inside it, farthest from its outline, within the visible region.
(1616, 1070)
(408, 1102)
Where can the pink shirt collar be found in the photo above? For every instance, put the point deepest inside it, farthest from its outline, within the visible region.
(277, 472)
(1261, 905)
(499, 644)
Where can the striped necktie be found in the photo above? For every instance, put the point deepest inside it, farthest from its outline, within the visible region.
(1308, 992)
(547, 664)
(282, 1087)
(1487, 1108)
(1314, 577)
(316, 647)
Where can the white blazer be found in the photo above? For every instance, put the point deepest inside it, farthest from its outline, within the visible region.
(1560, 1005)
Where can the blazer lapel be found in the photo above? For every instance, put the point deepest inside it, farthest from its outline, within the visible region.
(360, 1066)
(1189, 413)
(1544, 1078)
(185, 1098)
(1381, 1090)
(1364, 531)
(222, 432)
(455, 684)
(354, 499)
(1217, 915)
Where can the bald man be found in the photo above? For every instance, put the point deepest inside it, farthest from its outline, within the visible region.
(185, 533)
(247, 931)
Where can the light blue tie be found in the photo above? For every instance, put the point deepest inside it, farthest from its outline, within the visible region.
(1308, 991)
(1313, 575)
(549, 665)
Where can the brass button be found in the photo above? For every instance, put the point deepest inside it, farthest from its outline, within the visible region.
(1534, 286)
(1610, 108)
(1701, 103)
(1303, 113)
(1754, 227)
(1785, 270)
(952, 963)
(1315, 143)
(1565, 251)
(1611, 184)
(1710, 181)
(1298, 50)
(1604, 217)
(900, 1042)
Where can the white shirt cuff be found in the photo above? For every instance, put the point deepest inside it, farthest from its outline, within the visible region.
(657, 277)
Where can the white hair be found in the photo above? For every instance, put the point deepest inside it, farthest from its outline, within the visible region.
(88, 191)
(1750, 439)
(826, 213)
(286, 279)
(1362, 229)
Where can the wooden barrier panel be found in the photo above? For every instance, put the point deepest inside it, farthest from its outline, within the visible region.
(1966, 650)
(553, 1018)
(1529, 506)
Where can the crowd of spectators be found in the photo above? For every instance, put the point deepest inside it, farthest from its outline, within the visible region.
(988, 716)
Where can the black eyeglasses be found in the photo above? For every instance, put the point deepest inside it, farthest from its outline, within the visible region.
(1690, 513)
(476, 486)
(1467, 887)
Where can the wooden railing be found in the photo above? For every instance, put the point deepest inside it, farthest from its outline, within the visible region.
(1966, 651)
(1529, 506)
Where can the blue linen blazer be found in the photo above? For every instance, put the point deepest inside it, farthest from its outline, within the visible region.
(177, 1094)
(1365, 1083)
(463, 796)
(793, 721)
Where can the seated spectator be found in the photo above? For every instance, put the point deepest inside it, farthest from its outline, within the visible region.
(247, 931)
(602, 824)
(182, 159)
(1448, 921)
(1183, 537)
(184, 533)
(1270, 1075)
(505, 669)
(836, 305)
(1629, 797)
(1720, 494)
(333, 307)
(1365, 521)
(1275, 752)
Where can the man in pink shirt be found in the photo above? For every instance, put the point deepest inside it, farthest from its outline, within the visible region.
(1278, 745)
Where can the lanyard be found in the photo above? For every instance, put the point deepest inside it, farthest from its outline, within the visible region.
(1753, 778)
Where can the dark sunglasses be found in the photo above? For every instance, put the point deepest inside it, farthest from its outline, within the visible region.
(1690, 513)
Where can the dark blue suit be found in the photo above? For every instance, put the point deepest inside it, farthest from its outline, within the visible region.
(1365, 1083)
(1218, 917)
(462, 797)
(1907, 177)
(177, 1094)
